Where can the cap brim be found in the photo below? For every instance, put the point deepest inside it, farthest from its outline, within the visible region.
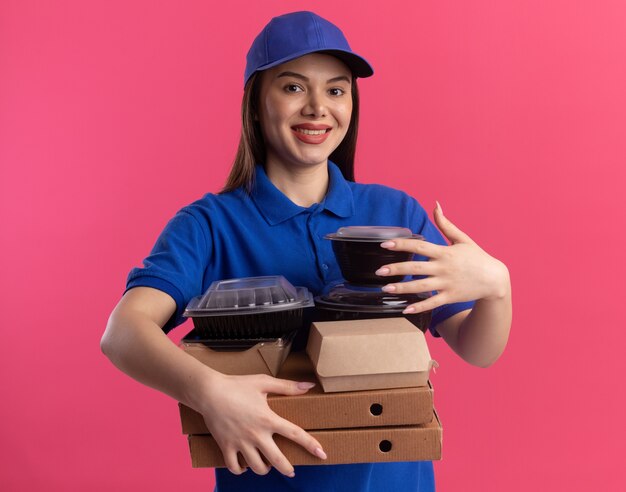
(358, 65)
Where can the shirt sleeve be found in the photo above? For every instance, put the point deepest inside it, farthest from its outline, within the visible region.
(176, 264)
(423, 226)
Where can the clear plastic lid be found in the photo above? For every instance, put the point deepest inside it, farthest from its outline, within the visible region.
(345, 297)
(250, 295)
(370, 233)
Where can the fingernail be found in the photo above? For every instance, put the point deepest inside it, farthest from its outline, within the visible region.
(439, 206)
(387, 244)
(382, 271)
(319, 452)
(305, 385)
(409, 310)
(292, 474)
(388, 288)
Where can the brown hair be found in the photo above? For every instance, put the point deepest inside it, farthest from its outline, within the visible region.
(251, 149)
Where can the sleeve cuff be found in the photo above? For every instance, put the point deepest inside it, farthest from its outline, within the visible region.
(164, 286)
(444, 312)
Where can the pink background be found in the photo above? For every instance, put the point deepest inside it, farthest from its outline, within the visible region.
(114, 114)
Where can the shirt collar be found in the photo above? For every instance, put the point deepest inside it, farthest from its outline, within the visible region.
(339, 199)
(276, 207)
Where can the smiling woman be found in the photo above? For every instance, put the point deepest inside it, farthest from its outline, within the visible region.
(305, 98)
(290, 185)
(252, 145)
(305, 108)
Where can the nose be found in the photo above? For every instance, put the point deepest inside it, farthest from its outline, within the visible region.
(315, 105)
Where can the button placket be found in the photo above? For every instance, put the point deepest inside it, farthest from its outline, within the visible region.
(317, 238)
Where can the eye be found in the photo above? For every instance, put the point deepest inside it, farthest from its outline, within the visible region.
(293, 88)
(336, 91)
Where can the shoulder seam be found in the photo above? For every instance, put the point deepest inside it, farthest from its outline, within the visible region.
(206, 240)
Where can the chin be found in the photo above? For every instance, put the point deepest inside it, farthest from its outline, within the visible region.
(316, 157)
(305, 155)
(313, 161)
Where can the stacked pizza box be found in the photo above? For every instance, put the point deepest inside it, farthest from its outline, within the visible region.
(372, 402)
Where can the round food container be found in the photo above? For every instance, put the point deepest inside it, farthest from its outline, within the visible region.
(358, 252)
(349, 302)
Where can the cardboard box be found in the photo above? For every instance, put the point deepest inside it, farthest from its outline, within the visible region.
(369, 354)
(262, 358)
(318, 410)
(377, 444)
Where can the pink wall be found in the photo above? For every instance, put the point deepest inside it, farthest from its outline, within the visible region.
(114, 114)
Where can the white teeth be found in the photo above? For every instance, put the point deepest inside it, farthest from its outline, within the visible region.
(310, 132)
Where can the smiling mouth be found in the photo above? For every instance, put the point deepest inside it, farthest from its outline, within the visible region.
(311, 132)
(311, 136)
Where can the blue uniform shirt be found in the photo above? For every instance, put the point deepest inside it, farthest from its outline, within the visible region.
(237, 234)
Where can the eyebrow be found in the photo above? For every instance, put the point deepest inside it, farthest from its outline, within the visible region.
(306, 79)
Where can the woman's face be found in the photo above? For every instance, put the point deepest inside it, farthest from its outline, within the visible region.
(305, 107)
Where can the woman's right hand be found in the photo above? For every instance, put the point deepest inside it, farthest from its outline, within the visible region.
(238, 416)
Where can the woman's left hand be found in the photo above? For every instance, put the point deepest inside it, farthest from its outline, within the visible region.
(459, 272)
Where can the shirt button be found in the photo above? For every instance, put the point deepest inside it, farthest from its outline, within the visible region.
(324, 266)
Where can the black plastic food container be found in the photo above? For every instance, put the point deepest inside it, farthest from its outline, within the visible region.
(249, 308)
(346, 302)
(358, 252)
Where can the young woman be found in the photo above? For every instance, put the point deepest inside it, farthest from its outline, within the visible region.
(290, 185)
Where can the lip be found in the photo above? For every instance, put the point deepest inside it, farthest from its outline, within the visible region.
(312, 126)
(311, 139)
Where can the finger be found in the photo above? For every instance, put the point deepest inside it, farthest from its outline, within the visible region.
(242, 462)
(420, 286)
(416, 246)
(232, 463)
(425, 305)
(301, 437)
(452, 232)
(276, 458)
(254, 460)
(284, 386)
(408, 268)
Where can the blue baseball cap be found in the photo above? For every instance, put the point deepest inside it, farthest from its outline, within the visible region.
(293, 35)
